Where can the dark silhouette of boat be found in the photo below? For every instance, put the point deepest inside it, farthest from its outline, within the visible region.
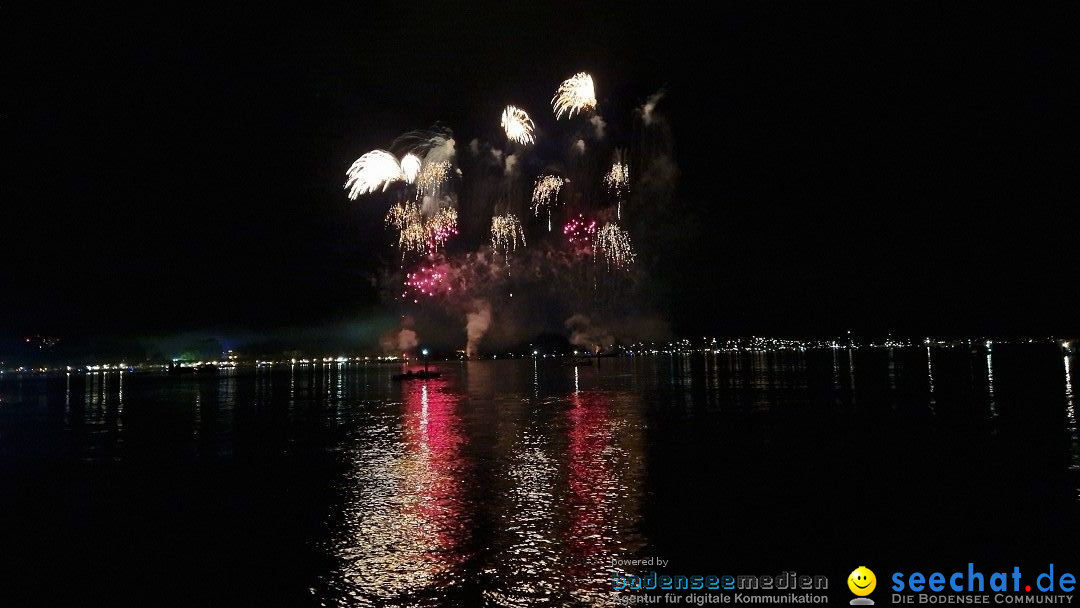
(579, 361)
(415, 375)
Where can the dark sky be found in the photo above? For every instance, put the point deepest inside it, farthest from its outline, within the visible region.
(847, 164)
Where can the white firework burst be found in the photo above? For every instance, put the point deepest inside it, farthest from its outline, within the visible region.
(618, 178)
(372, 171)
(546, 195)
(410, 167)
(518, 126)
(613, 245)
(574, 95)
(506, 232)
(618, 182)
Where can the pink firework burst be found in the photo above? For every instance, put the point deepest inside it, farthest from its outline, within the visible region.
(426, 281)
(579, 230)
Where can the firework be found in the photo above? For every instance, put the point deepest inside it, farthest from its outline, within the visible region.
(413, 237)
(613, 245)
(579, 231)
(506, 231)
(410, 167)
(546, 194)
(372, 171)
(441, 228)
(401, 214)
(618, 178)
(426, 281)
(436, 143)
(409, 222)
(618, 182)
(432, 176)
(574, 95)
(518, 125)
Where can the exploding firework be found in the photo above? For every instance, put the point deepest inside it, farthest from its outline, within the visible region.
(372, 171)
(506, 231)
(574, 95)
(410, 167)
(546, 194)
(613, 245)
(618, 182)
(419, 234)
(401, 214)
(432, 176)
(441, 228)
(579, 231)
(413, 237)
(436, 143)
(426, 281)
(409, 222)
(618, 179)
(518, 125)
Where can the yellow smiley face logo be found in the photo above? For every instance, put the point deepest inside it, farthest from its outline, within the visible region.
(862, 581)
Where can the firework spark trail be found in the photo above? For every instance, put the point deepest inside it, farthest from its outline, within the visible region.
(518, 126)
(441, 228)
(431, 178)
(400, 214)
(618, 182)
(546, 194)
(413, 237)
(579, 231)
(372, 171)
(419, 234)
(506, 231)
(410, 167)
(613, 245)
(618, 178)
(574, 95)
(409, 222)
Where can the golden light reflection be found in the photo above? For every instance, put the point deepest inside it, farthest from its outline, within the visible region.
(531, 566)
(930, 380)
(605, 469)
(573, 501)
(1070, 418)
(404, 522)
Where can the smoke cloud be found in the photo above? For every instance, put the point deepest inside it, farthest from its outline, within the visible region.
(649, 107)
(584, 333)
(400, 340)
(599, 125)
(477, 323)
(442, 149)
(406, 340)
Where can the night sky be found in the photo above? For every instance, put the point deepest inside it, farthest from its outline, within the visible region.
(842, 165)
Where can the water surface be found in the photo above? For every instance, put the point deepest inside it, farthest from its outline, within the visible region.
(514, 482)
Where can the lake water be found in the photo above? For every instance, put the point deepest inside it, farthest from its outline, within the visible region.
(515, 482)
